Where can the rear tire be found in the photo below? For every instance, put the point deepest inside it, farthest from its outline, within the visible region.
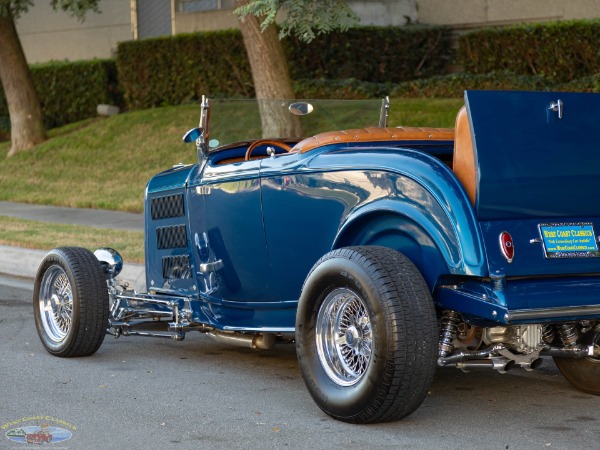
(366, 335)
(583, 373)
(70, 302)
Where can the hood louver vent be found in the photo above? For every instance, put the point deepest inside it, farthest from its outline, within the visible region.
(176, 267)
(167, 207)
(171, 237)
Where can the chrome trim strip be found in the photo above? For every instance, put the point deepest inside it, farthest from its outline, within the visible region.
(551, 313)
(261, 330)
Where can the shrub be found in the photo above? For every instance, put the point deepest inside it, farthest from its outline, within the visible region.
(584, 84)
(350, 89)
(178, 69)
(454, 85)
(70, 91)
(374, 54)
(558, 51)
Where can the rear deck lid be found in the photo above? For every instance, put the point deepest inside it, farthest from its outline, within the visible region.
(537, 154)
(538, 177)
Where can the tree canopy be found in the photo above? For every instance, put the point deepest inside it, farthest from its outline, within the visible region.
(76, 8)
(302, 18)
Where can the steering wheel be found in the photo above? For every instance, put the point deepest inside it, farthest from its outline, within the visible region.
(260, 142)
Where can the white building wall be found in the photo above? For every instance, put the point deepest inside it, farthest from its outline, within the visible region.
(385, 12)
(477, 13)
(49, 35)
(54, 35)
(371, 12)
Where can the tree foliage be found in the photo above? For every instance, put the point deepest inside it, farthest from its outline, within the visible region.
(302, 18)
(76, 8)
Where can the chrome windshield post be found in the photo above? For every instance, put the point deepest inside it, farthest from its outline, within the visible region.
(385, 109)
(204, 124)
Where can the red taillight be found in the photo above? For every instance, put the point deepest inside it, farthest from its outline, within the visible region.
(507, 246)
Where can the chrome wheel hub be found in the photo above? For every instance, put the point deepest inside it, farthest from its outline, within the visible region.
(344, 337)
(596, 343)
(56, 304)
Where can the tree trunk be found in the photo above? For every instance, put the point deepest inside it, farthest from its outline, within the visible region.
(271, 77)
(26, 119)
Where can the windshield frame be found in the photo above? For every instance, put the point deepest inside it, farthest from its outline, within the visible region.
(365, 116)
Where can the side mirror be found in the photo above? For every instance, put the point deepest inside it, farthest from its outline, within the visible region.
(193, 135)
(300, 108)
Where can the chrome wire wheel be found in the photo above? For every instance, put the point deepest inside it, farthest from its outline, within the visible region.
(344, 337)
(56, 304)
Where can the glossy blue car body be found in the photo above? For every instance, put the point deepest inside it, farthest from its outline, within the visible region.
(260, 225)
(382, 252)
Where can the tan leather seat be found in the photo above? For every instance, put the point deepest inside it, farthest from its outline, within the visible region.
(463, 164)
(374, 134)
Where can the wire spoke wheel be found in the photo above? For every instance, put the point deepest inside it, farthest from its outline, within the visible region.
(56, 303)
(344, 337)
(366, 335)
(70, 302)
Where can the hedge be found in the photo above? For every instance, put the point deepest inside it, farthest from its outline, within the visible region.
(584, 84)
(558, 51)
(374, 54)
(178, 69)
(349, 89)
(70, 91)
(454, 85)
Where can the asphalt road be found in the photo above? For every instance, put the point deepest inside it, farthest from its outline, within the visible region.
(144, 393)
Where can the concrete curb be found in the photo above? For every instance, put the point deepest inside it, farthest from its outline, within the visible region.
(24, 262)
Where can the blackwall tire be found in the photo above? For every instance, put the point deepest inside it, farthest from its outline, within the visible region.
(583, 373)
(366, 335)
(70, 302)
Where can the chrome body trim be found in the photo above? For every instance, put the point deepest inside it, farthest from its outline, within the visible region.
(551, 313)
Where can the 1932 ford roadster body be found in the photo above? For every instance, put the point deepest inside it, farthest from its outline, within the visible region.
(382, 252)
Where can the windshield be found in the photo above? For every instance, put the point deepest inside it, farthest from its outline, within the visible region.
(242, 120)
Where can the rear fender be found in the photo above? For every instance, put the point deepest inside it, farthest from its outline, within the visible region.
(430, 220)
(388, 229)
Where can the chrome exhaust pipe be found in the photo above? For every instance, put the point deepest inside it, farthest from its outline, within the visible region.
(265, 341)
(500, 364)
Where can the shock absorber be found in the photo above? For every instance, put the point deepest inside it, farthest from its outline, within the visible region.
(448, 331)
(548, 334)
(568, 334)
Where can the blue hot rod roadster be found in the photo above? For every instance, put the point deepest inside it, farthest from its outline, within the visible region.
(381, 251)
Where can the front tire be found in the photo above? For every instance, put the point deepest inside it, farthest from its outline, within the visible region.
(70, 302)
(366, 335)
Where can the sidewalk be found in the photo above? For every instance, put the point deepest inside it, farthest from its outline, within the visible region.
(98, 218)
(24, 262)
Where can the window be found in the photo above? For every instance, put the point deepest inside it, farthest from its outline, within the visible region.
(190, 6)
